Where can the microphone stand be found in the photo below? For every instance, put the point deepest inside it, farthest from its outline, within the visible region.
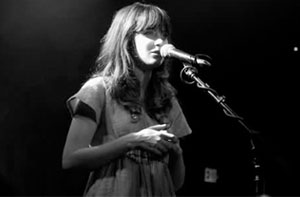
(191, 72)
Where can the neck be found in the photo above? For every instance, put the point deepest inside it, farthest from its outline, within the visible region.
(144, 77)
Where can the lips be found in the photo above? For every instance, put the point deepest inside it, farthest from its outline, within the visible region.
(155, 52)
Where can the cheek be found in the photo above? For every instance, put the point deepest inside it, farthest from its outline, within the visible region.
(138, 44)
(142, 42)
(147, 45)
(143, 48)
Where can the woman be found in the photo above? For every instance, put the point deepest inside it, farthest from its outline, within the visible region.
(126, 121)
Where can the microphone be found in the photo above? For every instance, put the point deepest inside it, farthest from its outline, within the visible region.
(168, 50)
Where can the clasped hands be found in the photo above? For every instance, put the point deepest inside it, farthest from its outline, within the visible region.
(157, 140)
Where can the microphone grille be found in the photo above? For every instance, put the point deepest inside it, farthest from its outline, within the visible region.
(165, 50)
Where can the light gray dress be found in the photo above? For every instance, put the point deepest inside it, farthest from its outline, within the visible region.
(136, 173)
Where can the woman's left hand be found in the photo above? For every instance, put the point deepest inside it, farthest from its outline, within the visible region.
(170, 145)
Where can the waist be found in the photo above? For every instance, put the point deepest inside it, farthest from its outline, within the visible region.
(142, 156)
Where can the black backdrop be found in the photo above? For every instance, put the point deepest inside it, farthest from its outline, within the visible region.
(47, 48)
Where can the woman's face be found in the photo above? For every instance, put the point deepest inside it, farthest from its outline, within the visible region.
(148, 46)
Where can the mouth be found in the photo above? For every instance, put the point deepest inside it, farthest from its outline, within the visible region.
(156, 53)
(156, 56)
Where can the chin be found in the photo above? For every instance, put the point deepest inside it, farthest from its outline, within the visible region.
(147, 67)
(150, 64)
(154, 65)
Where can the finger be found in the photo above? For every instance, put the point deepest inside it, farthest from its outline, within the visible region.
(167, 145)
(162, 146)
(170, 138)
(172, 147)
(158, 127)
(166, 133)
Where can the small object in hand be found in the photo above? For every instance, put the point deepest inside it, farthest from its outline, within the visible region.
(168, 136)
(171, 140)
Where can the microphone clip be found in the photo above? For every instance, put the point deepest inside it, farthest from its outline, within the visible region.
(187, 73)
(202, 60)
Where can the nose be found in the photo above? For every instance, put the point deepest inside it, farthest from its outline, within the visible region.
(158, 42)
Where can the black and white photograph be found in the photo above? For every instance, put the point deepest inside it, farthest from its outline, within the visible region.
(149, 98)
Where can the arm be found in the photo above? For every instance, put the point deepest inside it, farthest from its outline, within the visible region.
(78, 154)
(179, 128)
(177, 167)
(176, 162)
(86, 107)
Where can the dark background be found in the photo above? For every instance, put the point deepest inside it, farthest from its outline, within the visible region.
(47, 48)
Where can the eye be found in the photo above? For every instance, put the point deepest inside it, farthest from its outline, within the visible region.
(165, 35)
(154, 34)
(149, 32)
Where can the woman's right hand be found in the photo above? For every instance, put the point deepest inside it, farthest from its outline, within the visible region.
(150, 138)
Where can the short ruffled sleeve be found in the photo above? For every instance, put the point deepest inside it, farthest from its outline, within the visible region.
(179, 124)
(89, 100)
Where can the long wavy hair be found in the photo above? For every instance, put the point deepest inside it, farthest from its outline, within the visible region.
(118, 57)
